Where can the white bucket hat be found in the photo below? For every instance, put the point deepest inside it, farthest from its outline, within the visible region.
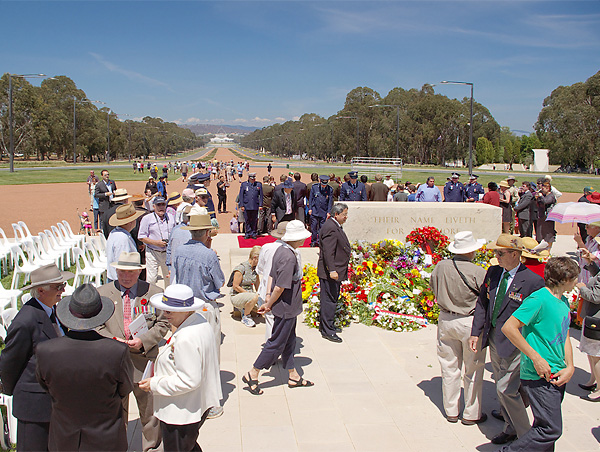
(176, 298)
(294, 231)
(465, 243)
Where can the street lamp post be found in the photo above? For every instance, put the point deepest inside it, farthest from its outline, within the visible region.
(448, 82)
(397, 126)
(357, 129)
(11, 138)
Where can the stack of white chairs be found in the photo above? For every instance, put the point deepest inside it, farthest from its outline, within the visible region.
(5, 255)
(63, 241)
(46, 250)
(56, 245)
(86, 272)
(69, 233)
(23, 266)
(21, 237)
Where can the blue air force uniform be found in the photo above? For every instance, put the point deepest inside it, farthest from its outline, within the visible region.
(251, 199)
(454, 191)
(474, 190)
(353, 190)
(320, 201)
(195, 182)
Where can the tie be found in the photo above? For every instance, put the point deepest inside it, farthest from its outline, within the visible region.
(55, 325)
(500, 297)
(126, 313)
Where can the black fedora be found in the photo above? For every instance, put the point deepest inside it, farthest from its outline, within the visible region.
(85, 309)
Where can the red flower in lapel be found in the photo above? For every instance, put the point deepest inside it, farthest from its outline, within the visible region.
(144, 302)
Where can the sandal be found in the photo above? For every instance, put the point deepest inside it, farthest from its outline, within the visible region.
(252, 384)
(302, 383)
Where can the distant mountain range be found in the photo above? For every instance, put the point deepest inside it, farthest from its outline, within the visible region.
(202, 129)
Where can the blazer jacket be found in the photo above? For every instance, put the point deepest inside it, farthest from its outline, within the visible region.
(523, 207)
(335, 251)
(523, 284)
(87, 376)
(278, 206)
(30, 327)
(186, 379)
(114, 327)
(100, 194)
(378, 192)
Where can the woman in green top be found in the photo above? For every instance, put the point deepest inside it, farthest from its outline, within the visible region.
(546, 352)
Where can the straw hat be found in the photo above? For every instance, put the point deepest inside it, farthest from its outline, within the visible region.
(198, 223)
(503, 184)
(280, 231)
(85, 309)
(128, 261)
(294, 231)
(124, 214)
(48, 274)
(465, 243)
(120, 195)
(176, 298)
(174, 198)
(530, 243)
(137, 197)
(507, 242)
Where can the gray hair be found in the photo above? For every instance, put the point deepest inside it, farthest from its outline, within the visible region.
(34, 290)
(188, 199)
(198, 234)
(338, 208)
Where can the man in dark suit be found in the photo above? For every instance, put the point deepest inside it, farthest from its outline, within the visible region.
(284, 202)
(265, 225)
(34, 324)
(300, 192)
(103, 193)
(250, 201)
(128, 289)
(504, 288)
(523, 209)
(379, 190)
(332, 268)
(87, 376)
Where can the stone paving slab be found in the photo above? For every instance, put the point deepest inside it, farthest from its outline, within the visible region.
(377, 391)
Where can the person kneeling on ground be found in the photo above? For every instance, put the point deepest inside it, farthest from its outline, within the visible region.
(244, 295)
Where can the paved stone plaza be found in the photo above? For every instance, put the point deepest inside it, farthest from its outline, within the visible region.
(376, 391)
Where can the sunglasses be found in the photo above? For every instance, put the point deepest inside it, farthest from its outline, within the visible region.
(500, 253)
(58, 286)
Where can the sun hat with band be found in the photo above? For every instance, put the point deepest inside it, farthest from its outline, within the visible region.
(593, 197)
(120, 195)
(465, 243)
(198, 223)
(128, 261)
(176, 298)
(280, 231)
(530, 243)
(294, 231)
(85, 309)
(124, 214)
(174, 198)
(48, 274)
(507, 242)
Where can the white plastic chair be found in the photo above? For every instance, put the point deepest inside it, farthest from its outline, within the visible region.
(8, 297)
(63, 242)
(86, 273)
(7, 316)
(99, 255)
(5, 256)
(80, 237)
(22, 266)
(34, 255)
(100, 242)
(20, 235)
(6, 400)
(26, 231)
(56, 246)
(47, 252)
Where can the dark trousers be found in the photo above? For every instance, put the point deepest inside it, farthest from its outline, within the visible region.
(96, 216)
(300, 213)
(525, 228)
(222, 203)
(182, 438)
(330, 293)
(545, 400)
(265, 224)
(32, 436)
(281, 343)
(251, 223)
(286, 217)
(315, 227)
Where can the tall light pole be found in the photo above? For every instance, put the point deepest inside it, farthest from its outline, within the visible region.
(11, 139)
(397, 125)
(448, 82)
(357, 129)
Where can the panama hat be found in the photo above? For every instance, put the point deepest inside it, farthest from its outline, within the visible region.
(48, 274)
(507, 242)
(198, 223)
(465, 243)
(280, 231)
(85, 309)
(176, 298)
(137, 197)
(124, 214)
(503, 184)
(530, 243)
(120, 195)
(294, 231)
(174, 198)
(128, 261)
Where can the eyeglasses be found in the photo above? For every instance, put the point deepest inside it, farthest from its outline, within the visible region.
(58, 286)
(500, 253)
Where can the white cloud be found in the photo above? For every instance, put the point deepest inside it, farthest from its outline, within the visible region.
(132, 75)
(279, 119)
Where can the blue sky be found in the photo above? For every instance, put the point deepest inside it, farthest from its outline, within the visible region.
(255, 63)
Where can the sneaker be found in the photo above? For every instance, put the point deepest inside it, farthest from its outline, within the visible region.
(215, 412)
(247, 321)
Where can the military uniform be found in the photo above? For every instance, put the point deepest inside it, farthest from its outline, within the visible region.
(251, 199)
(454, 191)
(353, 190)
(473, 190)
(195, 182)
(320, 201)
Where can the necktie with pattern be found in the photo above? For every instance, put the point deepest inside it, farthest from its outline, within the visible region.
(54, 321)
(127, 313)
(500, 297)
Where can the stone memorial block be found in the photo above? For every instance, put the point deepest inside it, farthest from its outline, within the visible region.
(375, 221)
(540, 160)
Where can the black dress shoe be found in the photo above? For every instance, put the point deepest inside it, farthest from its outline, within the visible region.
(338, 330)
(498, 415)
(591, 387)
(332, 338)
(481, 420)
(503, 438)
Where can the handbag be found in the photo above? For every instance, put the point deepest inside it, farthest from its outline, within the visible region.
(591, 327)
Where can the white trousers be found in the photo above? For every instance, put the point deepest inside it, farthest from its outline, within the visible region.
(154, 261)
(454, 353)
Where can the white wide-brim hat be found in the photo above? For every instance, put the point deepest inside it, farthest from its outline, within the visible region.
(176, 298)
(294, 231)
(465, 243)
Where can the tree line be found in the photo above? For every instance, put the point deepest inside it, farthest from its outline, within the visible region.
(44, 118)
(433, 129)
